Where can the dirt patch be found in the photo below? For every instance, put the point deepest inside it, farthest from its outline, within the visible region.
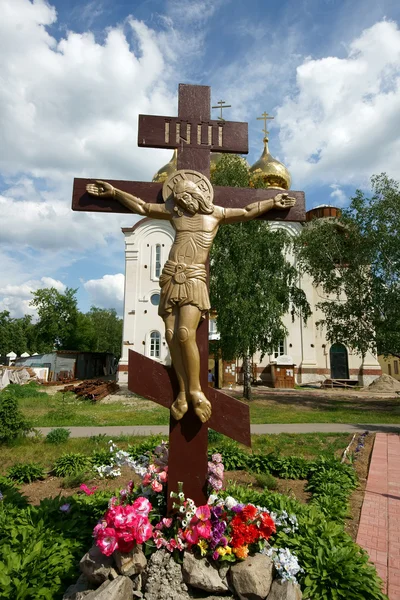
(294, 488)
(52, 486)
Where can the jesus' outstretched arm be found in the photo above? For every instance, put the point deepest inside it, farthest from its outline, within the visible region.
(103, 189)
(255, 209)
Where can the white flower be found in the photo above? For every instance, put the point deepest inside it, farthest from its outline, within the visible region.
(182, 509)
(184, 523)
(230, 502)
(181, 495)
(213, 498)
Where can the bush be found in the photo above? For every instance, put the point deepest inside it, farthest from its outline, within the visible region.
(145, 447)
(26, 472)
(72, 481)
(58, 436)
(102, 456)
(70, 464)
(266, 480)
(10, 494)
(12, 422)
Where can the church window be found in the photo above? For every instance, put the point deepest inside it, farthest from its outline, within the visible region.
(396, 367)
(280, 350)
(155, 299)
(389, 369)
(157, 257)
(155, 344)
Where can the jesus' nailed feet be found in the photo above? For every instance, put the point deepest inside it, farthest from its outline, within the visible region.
(201, 405)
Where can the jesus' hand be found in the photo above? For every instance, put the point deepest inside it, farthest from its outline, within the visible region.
(284, 201)
(101, 189)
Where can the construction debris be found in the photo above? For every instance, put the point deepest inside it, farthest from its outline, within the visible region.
(16, 375)
(385, 383)
(93, 389)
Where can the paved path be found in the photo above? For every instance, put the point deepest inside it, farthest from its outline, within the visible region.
(256, 429)
(379, 529)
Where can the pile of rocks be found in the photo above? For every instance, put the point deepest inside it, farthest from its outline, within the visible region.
(130, 576)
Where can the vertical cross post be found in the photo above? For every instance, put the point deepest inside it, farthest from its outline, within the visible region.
(188, 438)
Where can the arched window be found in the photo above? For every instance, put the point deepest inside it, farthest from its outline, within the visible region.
(155, 344)
(157, 261)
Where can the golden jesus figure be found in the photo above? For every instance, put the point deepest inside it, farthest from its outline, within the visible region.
(184, 299)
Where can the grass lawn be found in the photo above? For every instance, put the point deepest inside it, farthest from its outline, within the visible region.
(63, 410)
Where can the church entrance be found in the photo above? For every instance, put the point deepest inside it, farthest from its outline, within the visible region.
(339, 362)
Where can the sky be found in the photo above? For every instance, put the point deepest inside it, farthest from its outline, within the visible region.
(75, 75)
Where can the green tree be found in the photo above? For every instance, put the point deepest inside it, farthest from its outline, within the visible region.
(355, 260)
(16, 335)
(252, 282)
(57, 319)
(106, 330)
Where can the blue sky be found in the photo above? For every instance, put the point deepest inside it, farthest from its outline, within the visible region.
(76, 75)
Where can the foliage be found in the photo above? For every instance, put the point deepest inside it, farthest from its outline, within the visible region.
(58, 436)
(57, 323)
(233, 456)
(144, 448)
(26, 472)
(252, 282)
(70, 464)
(105, 330)
(73, 481)
(11, 494)
(16, 335)
(355, 260)
(12, 422)
(41, 545)
(266, 480)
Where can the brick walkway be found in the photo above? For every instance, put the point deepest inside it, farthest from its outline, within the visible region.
(379, 529)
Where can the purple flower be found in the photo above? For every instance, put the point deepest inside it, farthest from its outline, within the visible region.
(238, 508)
(65, 508)
(1, 496)
(215, 555)
(223, 541)
(216, 512)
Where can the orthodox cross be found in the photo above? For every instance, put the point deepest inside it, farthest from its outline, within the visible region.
(265, 117)
(194, 135)
(222, 105)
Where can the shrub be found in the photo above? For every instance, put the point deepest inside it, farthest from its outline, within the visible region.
(102, 456)
(72, 481)
(70, 464)
(26, 472)
(10, 494)
(144, 447)
(266, 480)
(58, 436)
(12, 422)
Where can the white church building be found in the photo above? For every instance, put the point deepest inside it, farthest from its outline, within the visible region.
(305, 349)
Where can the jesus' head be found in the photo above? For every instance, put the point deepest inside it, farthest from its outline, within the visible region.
(189, 197)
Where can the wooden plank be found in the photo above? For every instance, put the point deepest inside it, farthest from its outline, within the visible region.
(154, 381)
(161, 132)
(151, 192)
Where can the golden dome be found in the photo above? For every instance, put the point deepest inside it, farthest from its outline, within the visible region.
(167, 170)
(273, 173)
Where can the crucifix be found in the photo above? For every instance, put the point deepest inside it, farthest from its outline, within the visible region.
(196, 210)
(265, 117)
(221, 105)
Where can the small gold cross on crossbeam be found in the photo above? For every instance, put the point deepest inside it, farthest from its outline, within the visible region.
(265, 117)
(222, 105)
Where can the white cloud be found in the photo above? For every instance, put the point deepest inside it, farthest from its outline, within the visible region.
(338, 195)
(343, 124)
(16, 298)
(107, 292)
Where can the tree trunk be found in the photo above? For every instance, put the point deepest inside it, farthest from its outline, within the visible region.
(247, 377)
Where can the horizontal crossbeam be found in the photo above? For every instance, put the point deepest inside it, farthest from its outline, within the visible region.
(151, 192)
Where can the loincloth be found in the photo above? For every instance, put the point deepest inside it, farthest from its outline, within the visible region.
(183, 284)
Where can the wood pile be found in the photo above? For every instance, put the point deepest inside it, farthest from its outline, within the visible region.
(60, 381)
(93, 389)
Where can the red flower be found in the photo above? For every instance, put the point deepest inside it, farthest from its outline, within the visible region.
(267, 526)
(249, 512)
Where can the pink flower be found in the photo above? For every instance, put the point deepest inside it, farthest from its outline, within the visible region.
(126, 541)
(203, 512)
(163, 477)
(167, 522)
(217, 458)
(107, 541)
(159, 543)
(146, 479)
(156, 486)
(191, 535)
(99, 528)
(142, 507)
(87, 490)
(119, 515)
(203, 529)
(144, 530)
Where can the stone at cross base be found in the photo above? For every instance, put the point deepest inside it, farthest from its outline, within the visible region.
(194, 135)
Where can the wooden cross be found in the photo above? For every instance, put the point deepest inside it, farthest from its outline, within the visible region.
(265, 117)
(194, 134)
